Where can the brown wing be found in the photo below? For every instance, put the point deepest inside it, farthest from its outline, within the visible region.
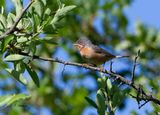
(102, 51)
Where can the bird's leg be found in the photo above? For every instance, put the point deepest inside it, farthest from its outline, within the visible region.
(102, 67)
(89, 64)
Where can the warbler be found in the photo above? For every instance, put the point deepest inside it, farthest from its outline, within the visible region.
(93, 54)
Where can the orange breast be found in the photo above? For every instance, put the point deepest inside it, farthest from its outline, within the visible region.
(87, 52)
(92, 56)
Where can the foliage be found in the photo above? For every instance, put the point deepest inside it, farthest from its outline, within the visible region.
(50, 27)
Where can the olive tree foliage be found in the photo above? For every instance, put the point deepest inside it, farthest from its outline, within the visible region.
(48, 27)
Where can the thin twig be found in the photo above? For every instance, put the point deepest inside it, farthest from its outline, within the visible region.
(63, 69)
(134, 67)
(140, 99)
(140, 106)
(111, 64)
(146, 96)
(12, 28)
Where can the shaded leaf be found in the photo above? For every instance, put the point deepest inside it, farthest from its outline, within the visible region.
(6, 42)
(17, 75)
(100, 100)
(91, 102)
(33, 75)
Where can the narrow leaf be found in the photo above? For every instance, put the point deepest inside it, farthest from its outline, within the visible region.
(100, 102)
(17, 75)
(10, 99)
(18, 6)
(33, 75)
(10, 20)
(3, 21)
(91, 102)
(6, 42)
(109, 84)
(61, 12)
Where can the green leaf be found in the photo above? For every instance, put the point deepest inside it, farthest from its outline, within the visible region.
(49, 40)
(38, 7)
(117, 99)
(6, 42)
(7, 100)
(33, 75)
(36, 22)
(101, 82)
(109, 84)
(17, 75)
(47, 14)
(18, 6)
(44, 2)
(32, 48)
(91, 102)
(22, 39)
(100, 100)
(61, 12)
(3, 22)
(20, 67)
(10, 20)
(14, 57)
(2, 64)
(2, 3)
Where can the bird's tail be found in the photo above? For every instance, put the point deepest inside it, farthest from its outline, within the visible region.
(122, 56)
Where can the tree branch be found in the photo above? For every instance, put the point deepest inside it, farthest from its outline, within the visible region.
(134, 66)
(145, 96)
(12, 28)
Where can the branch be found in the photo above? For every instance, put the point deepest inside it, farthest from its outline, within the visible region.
(134, 66)
(12, 28)
(140, 98)
(146, 96)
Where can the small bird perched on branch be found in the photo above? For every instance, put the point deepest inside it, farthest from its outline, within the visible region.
(93, 53)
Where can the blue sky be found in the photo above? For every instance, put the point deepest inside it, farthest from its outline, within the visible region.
(145, 11)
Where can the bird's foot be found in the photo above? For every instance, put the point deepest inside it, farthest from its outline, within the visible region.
(89, 64)
(102, 68)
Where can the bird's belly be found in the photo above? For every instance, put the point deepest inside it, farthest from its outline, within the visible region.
(95, 60)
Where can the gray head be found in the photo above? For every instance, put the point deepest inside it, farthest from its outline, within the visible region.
(83, 41)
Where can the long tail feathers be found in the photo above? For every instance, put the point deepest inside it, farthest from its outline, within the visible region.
(122, 56)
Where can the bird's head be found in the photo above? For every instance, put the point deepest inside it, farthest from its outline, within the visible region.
(82, 42)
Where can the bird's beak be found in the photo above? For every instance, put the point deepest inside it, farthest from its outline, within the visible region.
(78, 46)
(75, 45)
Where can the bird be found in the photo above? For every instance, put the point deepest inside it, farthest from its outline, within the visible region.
(92, 53)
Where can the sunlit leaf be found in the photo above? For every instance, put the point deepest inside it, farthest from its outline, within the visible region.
(7, 100)
(14, 57)
(109, 84)
(10, 20)
(3, 21)
(38, 7)
(61, 12)
(18, 6)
